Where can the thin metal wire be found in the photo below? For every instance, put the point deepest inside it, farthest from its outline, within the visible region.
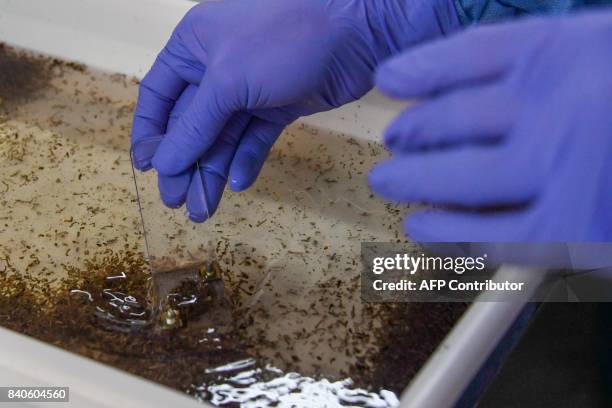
(142, 221)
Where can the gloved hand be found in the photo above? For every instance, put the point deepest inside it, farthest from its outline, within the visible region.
(274, 60)
(201, 188)
(512, 136)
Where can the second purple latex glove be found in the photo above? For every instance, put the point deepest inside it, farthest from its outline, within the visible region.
(512, 137)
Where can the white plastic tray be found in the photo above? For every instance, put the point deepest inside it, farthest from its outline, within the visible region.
(124, 36)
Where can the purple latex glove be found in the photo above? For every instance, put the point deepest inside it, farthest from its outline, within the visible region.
(273, 61)
(213, 166)
(512, 137)
(192, 185)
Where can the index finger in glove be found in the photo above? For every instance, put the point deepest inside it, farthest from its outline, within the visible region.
(159, 90)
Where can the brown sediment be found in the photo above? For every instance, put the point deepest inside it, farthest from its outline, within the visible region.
(411, 333)
(76, 315)
(22, 75)
(69, 315)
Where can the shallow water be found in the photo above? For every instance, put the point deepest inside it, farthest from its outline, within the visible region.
(71, 239)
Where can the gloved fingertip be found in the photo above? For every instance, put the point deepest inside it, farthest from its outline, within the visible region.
(386, 79)
(139, 161)
(398, 141)
(238, 186)
(142, 165)
(419, 227)
(205, 193)
(382, 74)
(142, 150)
(243, 172)
(172, 202)
(167, 161)
(376, 178)
(173, 190)
(391, 140)
(197, 218)
(415, 227)
(399, 79)
(197, 202)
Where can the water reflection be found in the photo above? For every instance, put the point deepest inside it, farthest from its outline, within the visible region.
(270, 387)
